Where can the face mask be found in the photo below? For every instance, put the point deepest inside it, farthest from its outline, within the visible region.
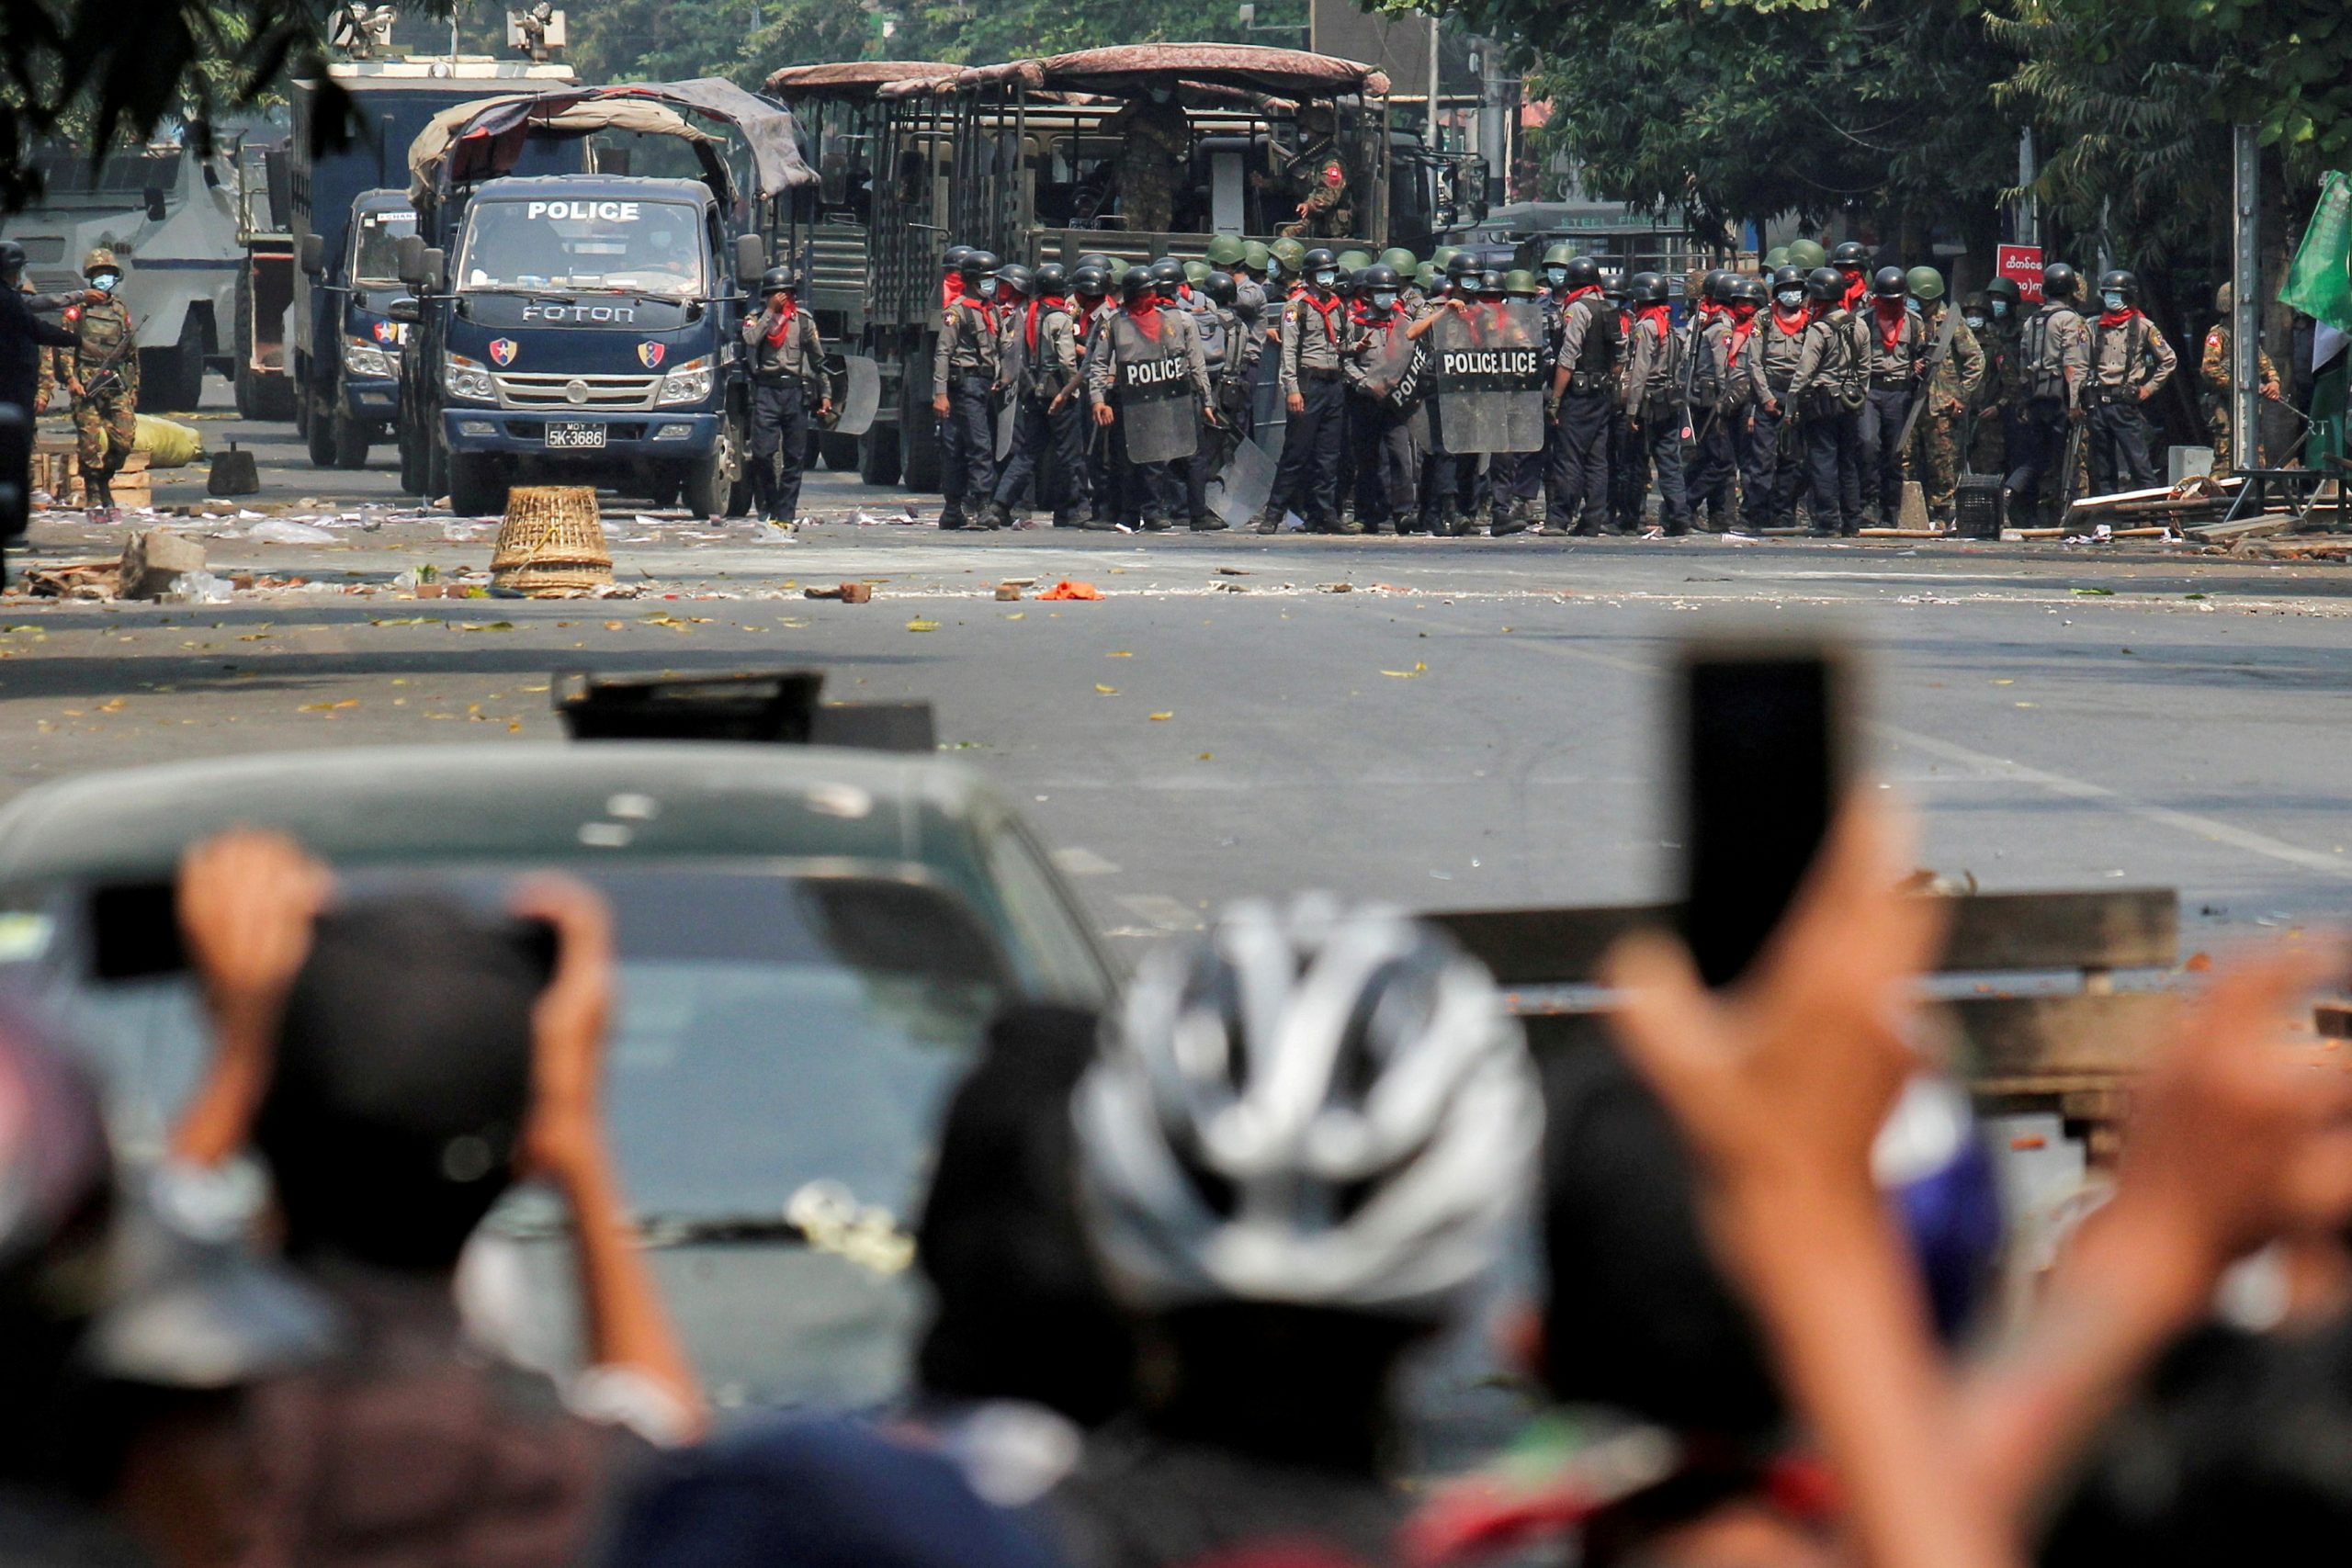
(1915, 306)
(2113, 298)
(1325, 280)
(988, 288)
(2000, 308)
(1557, 276)
(1384, 298)
(1976, 323)
(1791, 298)
(104, 282)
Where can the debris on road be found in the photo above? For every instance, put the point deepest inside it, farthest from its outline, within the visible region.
(551, 545)
(1067, 589)
(153, 561)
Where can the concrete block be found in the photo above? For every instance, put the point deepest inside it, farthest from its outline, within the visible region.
(153, 560)
(2186, 462)
(1913, 511)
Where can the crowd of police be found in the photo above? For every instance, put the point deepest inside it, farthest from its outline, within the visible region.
(1802, 395)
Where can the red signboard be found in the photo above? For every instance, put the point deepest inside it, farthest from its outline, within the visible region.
(2022, 265)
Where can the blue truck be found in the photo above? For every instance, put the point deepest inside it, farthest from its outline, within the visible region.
(584, 328)
(351, 370)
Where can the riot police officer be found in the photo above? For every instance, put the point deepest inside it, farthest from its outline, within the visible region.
(1718, 400)
(1774, 350)
(2054, 351)
(1896, 348)
(787, 362)
(1576, 436)
(1384, 459)
(1307, 477)
(1044, 380)
(1139, 375)
(1654, 396)
(1824, 393)
(2131, 361)
(964, 374)
(1230, 352)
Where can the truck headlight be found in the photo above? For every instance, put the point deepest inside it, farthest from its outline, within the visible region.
(468, 378)
(361, 358)
(689, 383)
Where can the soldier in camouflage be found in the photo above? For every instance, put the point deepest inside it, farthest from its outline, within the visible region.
(102, 373)
(2213, 371)
(1957, 382)
(1317, 180)
(1155, 158)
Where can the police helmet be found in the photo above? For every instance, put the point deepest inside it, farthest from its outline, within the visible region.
(1254, 255)
(1723, 287)
(1094, 282)
(1490, 285)
(1519, 284)
(1824, 285)
(1888, 283)
(1224, 250)
(777, 280)
(1648, 288)
(1400, 260)
(1052, 279)
(1320, 266)
(1379, 274)
(2058, 281)
(1135, 281)
(979, 263)
(953, 260)
(1614, 287)
(1788, 277)
(2006, 288)
(1708, 283)
(1014, 278)
(1219, 286)
(1167, 269)
(12, 259)
(1196, 270)
(2117, 281)
(1581, 272)
(1925, 283)
(1851, 255)
(1097, 259)
(1807, 253)
(1461, 262)
(1750, 291)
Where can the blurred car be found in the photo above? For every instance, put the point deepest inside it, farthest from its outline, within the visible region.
(812, 940)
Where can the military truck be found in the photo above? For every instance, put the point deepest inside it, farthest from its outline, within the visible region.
(169, 214)
(583, 326)
(1015, 157)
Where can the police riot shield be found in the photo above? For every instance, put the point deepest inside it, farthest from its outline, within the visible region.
(1393, 368)
(1484, 373)
(1246, 484)
(861, 395)
(1007, 425)
(1160, 414)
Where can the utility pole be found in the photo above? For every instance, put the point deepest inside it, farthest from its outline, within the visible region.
(1433, 84)
(2245, 303)
(2029, 210)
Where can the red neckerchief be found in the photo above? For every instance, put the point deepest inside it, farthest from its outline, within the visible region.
(784, 319)
(1856, 290)
(1029, 326)
(1742, 327)
(2111, 319)
(1363, 315)
(1791, 326)
(1890, 322)
(1082, 319)
(1330, 307)
(1145, 313)
(951, 288)
(1709, 311)
(1577, 294)
(1662, 315)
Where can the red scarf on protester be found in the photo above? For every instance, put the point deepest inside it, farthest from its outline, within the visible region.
(1145, 313)
(784, 319)
(1890, 322)
(2111, 319)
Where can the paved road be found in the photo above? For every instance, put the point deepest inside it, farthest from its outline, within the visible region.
(1473, 723)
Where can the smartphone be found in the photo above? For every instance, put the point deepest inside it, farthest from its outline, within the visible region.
(1765, 753)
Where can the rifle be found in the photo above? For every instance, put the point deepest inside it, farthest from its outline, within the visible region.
(1936, 358)
(2074, 460)
(111, 367)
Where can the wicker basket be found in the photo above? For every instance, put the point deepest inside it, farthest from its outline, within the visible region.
(551, 545)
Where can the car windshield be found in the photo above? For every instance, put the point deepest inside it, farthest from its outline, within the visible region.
(583, 245)
(374, 242)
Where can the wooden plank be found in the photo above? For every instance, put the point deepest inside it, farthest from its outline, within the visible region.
(2074, 1037)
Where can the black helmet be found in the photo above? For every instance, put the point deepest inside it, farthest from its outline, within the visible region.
(12, 258)
(1723, 287)
(1379, 274)
(1052, 279)
(1888, 283)
(1167, 270)
(1017, 278)
(1824, 285)
(953, 260)
(1790, 276)
(1490, 285)
(1583, 272)
(1851, 255)
(2058, 281)
(1091, 281)
(977, 264)
(2118, 281)
(1614, 288)
(770, 281)
(1319, 260)
(1648, 288)
(1459, 262)
(1096, 259)
(1750, 291)
(1711, 284)
(1219, 286)
(1136, 280)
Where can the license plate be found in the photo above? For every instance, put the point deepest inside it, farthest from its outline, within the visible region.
(575, 437)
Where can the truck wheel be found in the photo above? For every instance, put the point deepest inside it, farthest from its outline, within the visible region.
(841, 453)
(348, 437)
(877, 454)
(171, 381)
(477, 485)
(318, 431)
(713, 483)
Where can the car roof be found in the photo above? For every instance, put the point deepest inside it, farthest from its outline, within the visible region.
(591, 188)
(531, 800)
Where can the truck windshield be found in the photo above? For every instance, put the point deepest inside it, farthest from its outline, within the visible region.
(376, 239)
(584, 243)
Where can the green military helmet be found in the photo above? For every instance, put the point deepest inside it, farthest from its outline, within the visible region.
(1355, 260)
(1442, 255)
(98, 261)
(1925, 283)
(1223, 251)
(1425, 277)
(1775, 259)
(1519, 284)
(1254, 256)
(1404, 261)
(1198, 271)
(1290, 253)
(1808, 254)
(2004, 288)
(1560, 254)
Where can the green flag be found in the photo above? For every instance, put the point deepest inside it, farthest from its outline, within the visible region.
(2319, 284)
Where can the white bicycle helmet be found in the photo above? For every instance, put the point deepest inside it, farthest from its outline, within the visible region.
(1308, 1105)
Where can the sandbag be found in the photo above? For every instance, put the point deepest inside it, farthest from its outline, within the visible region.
(167, 443)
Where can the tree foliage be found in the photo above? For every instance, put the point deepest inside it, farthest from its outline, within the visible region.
(975, 30)
(657, 41)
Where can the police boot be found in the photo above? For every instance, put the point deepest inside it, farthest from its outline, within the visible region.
(1271, 520)
(1208, 523)
(951, 516)
(1449, 521)
(995, 514)
(1509, 520)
